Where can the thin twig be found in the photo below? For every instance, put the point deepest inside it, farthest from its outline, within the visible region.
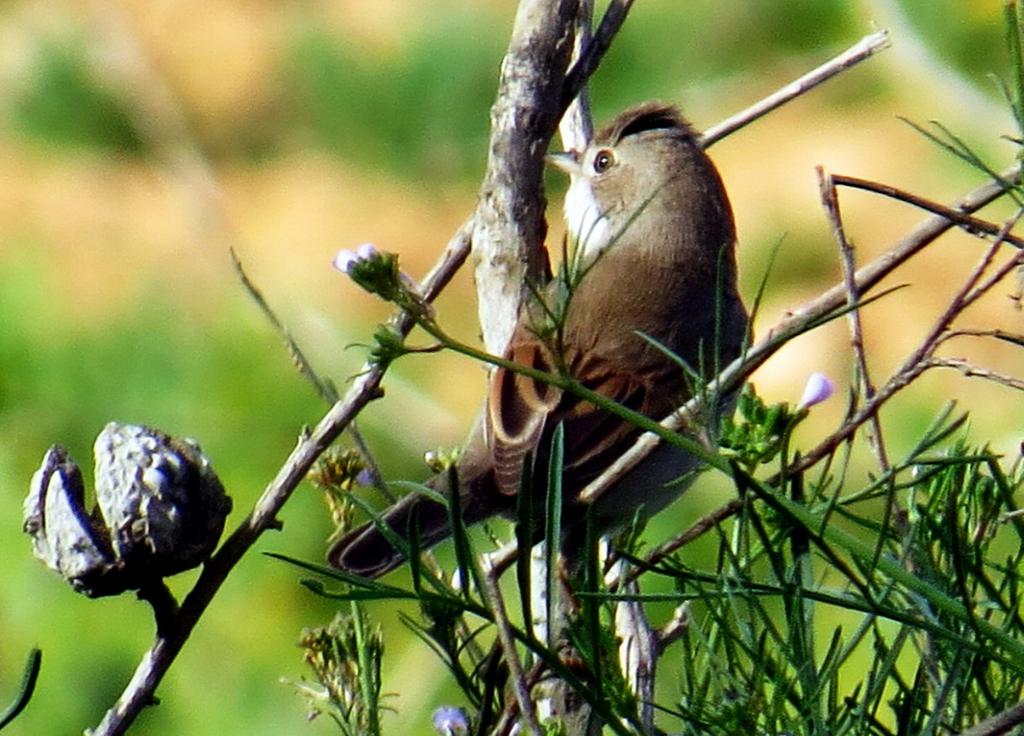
(299, 359)
(973, 225)
(591, 55)
(1000, 273)
(972, 371)
(919, 359)
(675, 628)
(508, 645)
(576, 127)
(999, 724)
(1011, 337)
(830, 201)
(700, 527)
(971, 290)
(863, 49)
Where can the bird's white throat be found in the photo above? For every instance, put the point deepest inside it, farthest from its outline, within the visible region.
(588, 224)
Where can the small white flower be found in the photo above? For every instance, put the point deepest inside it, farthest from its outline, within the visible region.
(818, 388)
(451, 721)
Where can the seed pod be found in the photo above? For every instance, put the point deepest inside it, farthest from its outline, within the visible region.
(160, 509)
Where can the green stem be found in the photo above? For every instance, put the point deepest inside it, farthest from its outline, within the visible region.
(365, 669)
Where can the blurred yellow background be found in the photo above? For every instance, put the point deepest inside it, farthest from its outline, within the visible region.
(312, 126)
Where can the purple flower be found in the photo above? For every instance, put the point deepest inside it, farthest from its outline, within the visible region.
(451, 721)
(818, 388)
(365, 477)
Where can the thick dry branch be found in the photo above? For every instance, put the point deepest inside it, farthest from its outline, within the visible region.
(508, 241)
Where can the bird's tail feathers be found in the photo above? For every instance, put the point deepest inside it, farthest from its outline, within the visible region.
(367, 550)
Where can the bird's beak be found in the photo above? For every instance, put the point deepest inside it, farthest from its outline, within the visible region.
(567, 161)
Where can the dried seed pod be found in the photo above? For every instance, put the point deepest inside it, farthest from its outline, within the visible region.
(160, 509)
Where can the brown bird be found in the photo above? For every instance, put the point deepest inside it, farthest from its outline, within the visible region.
(655, 263)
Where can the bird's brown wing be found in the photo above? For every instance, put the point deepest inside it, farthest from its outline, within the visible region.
(517, 413)
(523, 412)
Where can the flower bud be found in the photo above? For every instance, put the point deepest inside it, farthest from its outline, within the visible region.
(818, 388)
(344, 260)
(450, 721)
(160, 509)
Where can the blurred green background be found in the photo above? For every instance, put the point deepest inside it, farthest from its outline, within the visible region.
(330, 124)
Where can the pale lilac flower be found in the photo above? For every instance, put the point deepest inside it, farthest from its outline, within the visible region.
(818, 388)
(366, 251)
(346, 259)
(365, 477)
(451, 721)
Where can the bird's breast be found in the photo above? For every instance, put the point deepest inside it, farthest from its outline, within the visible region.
(587, 222)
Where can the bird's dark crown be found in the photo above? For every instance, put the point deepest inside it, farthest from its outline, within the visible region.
(642, 118)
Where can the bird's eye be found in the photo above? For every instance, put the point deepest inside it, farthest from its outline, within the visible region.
(603, 161)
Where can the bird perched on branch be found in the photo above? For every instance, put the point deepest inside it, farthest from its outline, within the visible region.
(645, 305)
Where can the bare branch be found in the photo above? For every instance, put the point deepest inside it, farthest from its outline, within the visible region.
(694, 531)
(638, 652)
(999, 724)
(508, 646)
(830, 200)
(154, 665)
(973, 225)
(576, 127)
(972, 371)
(802, 319)
(920, 359)
(1010, 337)
(590, 58)
(508, 240)
(863, 49)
